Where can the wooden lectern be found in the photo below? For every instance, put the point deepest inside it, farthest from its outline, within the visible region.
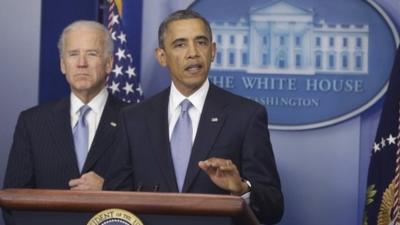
(59, 207)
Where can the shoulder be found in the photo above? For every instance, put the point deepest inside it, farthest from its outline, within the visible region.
(232, 100)
(156, 102)
(116, 103)
(38, 115)
(44, 109)
(239, 109)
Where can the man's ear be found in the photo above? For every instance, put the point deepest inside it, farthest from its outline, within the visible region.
(109, 64)
(62, 65)
(213, 51)
(160, 55)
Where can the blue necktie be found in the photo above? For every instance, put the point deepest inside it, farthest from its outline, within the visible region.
(81, 136)
(181, 143)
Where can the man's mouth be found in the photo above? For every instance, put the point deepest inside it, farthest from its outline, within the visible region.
(82, 74)
(194, 68)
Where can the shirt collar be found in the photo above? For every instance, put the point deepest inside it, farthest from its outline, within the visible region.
(197, 98)
(96, 104)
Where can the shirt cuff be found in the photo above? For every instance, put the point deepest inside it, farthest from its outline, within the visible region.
(246, 197)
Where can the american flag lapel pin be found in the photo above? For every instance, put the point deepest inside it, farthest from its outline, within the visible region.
(214, 119)
(113, 124)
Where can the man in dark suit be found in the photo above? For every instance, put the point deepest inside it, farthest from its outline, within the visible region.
(229, 147)
(44, 152)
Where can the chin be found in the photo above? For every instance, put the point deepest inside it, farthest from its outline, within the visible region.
(83, 87)
(196, 84)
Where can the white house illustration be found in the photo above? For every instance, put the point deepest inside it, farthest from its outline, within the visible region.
(280, 38)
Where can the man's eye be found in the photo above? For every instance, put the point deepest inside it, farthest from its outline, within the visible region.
(203, 42)
(93, 54)
(179, 45)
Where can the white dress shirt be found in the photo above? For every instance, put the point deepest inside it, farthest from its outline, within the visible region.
(93, 116)
(174, 109)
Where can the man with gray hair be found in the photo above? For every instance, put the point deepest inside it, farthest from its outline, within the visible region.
(67, 144)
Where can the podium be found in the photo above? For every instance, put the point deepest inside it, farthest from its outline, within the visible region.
(37, 206)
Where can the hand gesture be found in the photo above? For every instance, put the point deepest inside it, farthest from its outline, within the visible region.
(225, 175)
(87, 182)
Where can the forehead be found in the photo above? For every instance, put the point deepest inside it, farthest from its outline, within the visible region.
(186, 28)
(84, 37)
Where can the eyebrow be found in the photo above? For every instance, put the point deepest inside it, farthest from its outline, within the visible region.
(87, 50)
(179, 40)
(93, 50)
(201, 37)
(71, 51)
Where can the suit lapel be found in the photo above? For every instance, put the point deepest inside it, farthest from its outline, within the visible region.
(105, 133)
(61, 131)
(210, 124)
(157, 124)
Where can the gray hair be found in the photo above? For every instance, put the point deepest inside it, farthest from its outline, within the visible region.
(180, 15)
(108, 42)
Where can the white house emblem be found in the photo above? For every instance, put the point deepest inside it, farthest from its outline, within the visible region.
(309, 65)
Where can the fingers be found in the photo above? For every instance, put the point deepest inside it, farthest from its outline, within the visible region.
(224, 173)
(75, 182)
(88, 181)
(217, 163)
(80, 188)
(218, 167)
(203, 165)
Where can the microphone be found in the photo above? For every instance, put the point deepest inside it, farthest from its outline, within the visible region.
(156, 188)
(139, 187)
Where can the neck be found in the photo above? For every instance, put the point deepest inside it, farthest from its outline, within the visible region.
(187, 91)
(86, 97)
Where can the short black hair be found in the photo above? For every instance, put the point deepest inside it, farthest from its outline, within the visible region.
(180, 15)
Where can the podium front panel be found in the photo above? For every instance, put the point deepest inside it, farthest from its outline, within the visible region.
(79, 218)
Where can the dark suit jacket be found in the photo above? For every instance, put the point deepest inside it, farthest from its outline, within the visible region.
(42, 153)
(241, 134)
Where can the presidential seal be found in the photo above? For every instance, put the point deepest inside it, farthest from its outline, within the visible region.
(115, 217)
(385, 216)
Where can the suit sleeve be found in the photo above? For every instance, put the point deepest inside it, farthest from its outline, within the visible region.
(258, 166)
(20, 169)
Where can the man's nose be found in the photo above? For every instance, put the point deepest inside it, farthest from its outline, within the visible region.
(82, 62)
(192, 52)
